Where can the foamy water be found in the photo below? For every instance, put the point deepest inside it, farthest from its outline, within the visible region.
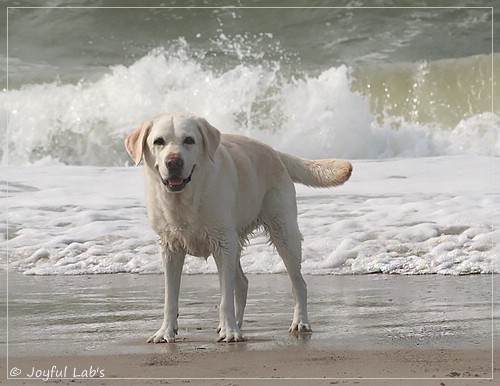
(405, 216)
(412, 105)
(313, 116)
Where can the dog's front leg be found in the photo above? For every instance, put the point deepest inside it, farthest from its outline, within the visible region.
(225, 258)
(172, 265)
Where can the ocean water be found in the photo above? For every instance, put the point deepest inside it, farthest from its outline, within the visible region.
(405, 93)
(405, 216)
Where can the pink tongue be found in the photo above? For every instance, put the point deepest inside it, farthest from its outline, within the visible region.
(175, 181)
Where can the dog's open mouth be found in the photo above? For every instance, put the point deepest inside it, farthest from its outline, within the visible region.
(176, 183)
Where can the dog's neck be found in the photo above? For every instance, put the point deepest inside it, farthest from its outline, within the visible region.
(183, 230)
(178, 207)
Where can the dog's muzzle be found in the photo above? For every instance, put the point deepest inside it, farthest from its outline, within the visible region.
(176, 183)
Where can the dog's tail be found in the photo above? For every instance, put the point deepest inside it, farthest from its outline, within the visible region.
(317, 173)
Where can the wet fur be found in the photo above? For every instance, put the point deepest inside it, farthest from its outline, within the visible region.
(238, 184)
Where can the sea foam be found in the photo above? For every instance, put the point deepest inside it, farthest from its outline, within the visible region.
(404, 216)
(313, 115)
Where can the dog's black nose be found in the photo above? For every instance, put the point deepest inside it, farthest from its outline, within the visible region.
(174, 163)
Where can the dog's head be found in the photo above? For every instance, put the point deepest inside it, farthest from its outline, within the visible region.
(173, 145)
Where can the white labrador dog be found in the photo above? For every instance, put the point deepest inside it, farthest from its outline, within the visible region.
(207, 192)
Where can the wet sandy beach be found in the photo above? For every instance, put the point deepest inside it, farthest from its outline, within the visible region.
(374, 326)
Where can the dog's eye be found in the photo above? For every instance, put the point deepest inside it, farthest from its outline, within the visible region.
(189, 141)
(159, 141)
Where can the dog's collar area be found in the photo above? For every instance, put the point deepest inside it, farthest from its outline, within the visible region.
(177, 187)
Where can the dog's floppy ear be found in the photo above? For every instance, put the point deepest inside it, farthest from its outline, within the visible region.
(211, 137)
(135, 142)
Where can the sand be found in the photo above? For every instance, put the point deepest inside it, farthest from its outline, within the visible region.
(368, 330)
(239, 366)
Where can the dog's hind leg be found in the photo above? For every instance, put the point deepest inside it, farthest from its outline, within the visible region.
(289, 248)
(240, 291)
(285, 235)
(227, 260)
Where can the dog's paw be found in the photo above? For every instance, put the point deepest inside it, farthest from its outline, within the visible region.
(300, 327)
(229, 336)
(163, 335)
